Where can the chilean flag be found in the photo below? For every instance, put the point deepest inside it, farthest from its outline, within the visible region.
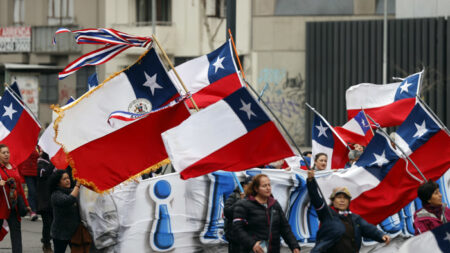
(233, 134)
(209, 77)
(53, 149)
(103, 155)
(19, 129)
(357, 130)
(381, 181)
(326, 140)
(388, 104)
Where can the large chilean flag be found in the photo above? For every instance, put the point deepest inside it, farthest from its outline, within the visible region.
(233, 134)
(19, 129)
(210, 77)
(103, 155)
(388, 104)
(381, 181)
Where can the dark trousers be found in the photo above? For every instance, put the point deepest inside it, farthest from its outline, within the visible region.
(59, 246)
(31, 185)
(14, 232)
(47, 218)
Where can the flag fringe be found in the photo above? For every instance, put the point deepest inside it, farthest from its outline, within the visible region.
(60, 111)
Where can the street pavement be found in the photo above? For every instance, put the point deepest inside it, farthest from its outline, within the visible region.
(31, 237)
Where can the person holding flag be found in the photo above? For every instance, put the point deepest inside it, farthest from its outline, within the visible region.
(340, 230)
(11, 189)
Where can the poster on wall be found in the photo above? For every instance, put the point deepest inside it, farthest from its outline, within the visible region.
(29, 89)
(15, 39)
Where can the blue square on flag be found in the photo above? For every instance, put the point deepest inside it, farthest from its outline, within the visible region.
(10, 110)
(150, 81)
(247, 109)
(321, 132)
(221, 63)
(408, 87)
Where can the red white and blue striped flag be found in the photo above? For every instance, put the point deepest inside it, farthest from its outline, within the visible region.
(115, 42)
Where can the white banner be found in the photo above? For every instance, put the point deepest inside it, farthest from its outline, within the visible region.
(167, 213)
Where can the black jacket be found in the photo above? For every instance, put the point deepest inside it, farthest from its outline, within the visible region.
(230, 203)
(332, 228)
(251, 224)
(66, 217)
(44, 170)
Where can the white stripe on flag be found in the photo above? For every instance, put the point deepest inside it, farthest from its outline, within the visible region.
(94, 110)
(3, 131)
(368, 95)
(212, 135)
(194, 74)
(356, 179)
(47, 143)
(353, 126)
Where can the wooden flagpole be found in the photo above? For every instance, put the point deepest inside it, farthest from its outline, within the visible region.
(236, 53)
(174, 71)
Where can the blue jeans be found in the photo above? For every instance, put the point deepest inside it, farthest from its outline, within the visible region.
(32, 197)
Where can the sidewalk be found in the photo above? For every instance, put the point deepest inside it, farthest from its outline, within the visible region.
(31, 237)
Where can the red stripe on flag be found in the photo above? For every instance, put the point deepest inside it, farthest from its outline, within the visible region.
(263, 145)
(390, 115)
(216, 91)
(114, 158)
(352, 137)
(60, 160)
(398, 188)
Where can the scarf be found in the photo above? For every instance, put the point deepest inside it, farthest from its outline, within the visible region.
(343, 213)
(436, 210)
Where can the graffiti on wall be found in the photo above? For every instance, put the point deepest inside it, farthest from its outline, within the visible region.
(285, 95)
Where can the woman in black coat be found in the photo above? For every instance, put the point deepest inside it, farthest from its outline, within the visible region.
(259, 221)
(66, 217)
(340, 229)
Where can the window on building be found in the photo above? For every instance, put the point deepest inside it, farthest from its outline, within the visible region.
(19, 12)
(82, 79)
(60, 12)
(216, 8)
(144, 12)
(379, 8)
(48, 85)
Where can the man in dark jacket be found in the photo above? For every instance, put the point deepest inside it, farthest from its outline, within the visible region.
(228, 212)
(340, 229)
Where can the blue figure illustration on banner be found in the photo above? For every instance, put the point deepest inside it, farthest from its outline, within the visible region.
(162, 238)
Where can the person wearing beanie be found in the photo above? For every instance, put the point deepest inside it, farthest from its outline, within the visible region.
(433, 213)
(340, 229)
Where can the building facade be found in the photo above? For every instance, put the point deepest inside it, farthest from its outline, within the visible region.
(270, 38)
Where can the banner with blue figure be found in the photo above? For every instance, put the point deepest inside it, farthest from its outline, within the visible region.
(167, 214)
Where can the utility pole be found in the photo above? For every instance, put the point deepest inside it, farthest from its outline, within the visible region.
(231, 18)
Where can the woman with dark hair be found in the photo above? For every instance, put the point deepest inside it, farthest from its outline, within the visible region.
(433, 213)
(44, 171)
(340, 229)
(10, 190)
(66, 217)
(320, 161)
(259, 221)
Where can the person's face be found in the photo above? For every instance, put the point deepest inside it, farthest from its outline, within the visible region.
(358, 147)
(64, 182)
(265, 189)
(4, 155)
(321, 162)
(341, 202)
(436, 198)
